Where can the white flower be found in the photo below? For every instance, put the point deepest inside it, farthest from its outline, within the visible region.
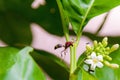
(94, 61)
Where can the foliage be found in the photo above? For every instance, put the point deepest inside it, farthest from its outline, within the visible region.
(15, 63)
(55, 17)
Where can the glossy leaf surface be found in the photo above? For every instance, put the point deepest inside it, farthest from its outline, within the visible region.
(81, 74)
(14, 24)
(108, 73)
(18, 65)
(81, 11)
(52, 65)
(16, 17)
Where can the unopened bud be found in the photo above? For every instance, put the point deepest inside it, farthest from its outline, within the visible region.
(114, 47)
(114, 66)
(97, 49)
(95, 43)
(107, 48)
(108, 57)
(88, 57)
(88, 47)
(107, 63)
(100, 44)
(105, 41)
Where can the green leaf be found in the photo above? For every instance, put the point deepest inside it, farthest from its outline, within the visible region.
(14, 26)
(81, 59)
(81, 74)
(18, 64)
(105, 73)
(52, 65)
(16, 17)
(49, 17)
(87, 76)
(108, 73)
(81, 11)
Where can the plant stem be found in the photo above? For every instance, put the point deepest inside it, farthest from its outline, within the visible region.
(72, 59)
(66, 33)
(73, 49)
(64, 22)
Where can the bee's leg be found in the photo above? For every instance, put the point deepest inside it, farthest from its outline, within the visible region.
(62, 52)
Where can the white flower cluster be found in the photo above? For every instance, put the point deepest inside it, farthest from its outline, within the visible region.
(98, 55)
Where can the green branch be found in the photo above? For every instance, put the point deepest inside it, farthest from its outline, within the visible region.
(73, 59)
(66, 33)
(64, 22)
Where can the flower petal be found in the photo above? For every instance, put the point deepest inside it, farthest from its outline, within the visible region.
(99, 64)
(100, 57)
(88, 61)
(93, 55)
(93, 66)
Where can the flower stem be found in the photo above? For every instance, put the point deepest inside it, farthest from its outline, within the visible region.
(66, 33)
(72, 59)
(73, 63)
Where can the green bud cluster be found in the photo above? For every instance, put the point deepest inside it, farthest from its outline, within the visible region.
(101, 48)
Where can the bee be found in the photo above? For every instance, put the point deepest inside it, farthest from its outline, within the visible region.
(65, 46)
(58, 46)
(68, 44)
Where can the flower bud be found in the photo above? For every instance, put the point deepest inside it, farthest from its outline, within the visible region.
(95, 43)
(88, 57)
(108, 57)
(105, 41)
(105, 44)
(107, 48)
(114, 47)
(88, 47)
(107, 63)
(114, 66)
(97, 49)
(100, 44)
